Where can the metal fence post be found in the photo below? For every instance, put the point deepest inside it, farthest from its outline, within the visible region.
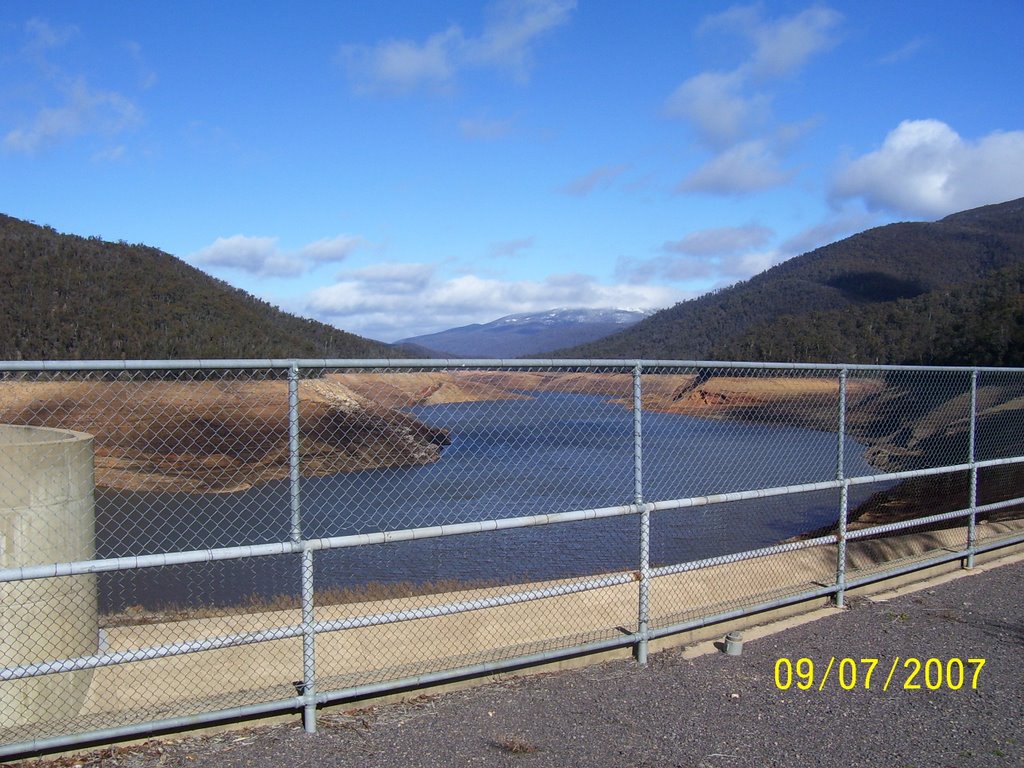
(972, 542)
(644, 607)
(293, 452)
(308, 644)
(308, 627)
(844, 495)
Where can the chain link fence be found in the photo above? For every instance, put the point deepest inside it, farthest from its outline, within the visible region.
(188, 542)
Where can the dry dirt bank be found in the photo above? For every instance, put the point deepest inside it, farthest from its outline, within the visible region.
(226, 435)
(220, 436)
(401, 389)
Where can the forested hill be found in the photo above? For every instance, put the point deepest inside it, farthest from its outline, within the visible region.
(67, 297)
(948, 291)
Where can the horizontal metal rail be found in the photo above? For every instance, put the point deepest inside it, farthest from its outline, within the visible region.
(626, 364)
(899, 570)
(135, 562)
(478, 603)
(474, 670)
(148, 654)
(739, 557)
(297, 703)
(746, 610)
(53, 743)
(296, 630)
(1002, 541)
(826, 590)
(918, 522)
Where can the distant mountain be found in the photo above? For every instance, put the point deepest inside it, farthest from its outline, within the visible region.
(945, 291)
(67, 297)
(527, 334)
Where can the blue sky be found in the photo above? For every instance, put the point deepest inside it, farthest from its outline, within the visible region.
(397, 168)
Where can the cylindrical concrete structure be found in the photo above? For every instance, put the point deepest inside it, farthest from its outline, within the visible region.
(46, 516)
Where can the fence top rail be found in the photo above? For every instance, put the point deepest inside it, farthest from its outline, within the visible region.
(68, 366)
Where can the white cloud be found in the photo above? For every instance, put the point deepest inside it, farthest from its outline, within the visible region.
(720, 256)
(506, 42)
(703, 272)
(596, 179)
(483, 129)
(903, 52)
(926, 168)
(263, 256)
(147, 77)
(85, 110)
(258, 255)
(331, 249)
(110, 154)
(721, 240)
(403, 65)
(391, 278)
(781, 46)
(784, 46)
(367, 302)
(836, 226)
(743, 168)
(708, 258)
(750, 264)
(68, 107)
(511, 248)
(43, 36)
(713, 102)
(730, 111)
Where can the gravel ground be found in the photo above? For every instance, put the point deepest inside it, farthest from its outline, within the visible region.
(712, 711)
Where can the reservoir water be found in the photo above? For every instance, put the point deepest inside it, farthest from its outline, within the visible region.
(511, 458)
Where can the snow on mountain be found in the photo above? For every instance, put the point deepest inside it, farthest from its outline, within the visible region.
(528, 333)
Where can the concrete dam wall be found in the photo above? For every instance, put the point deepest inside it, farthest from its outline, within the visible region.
(46, 516)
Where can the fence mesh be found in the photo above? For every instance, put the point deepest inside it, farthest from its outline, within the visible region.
(451, 518)
(1000, 416)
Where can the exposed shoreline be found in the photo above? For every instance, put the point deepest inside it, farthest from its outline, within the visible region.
(222, 436)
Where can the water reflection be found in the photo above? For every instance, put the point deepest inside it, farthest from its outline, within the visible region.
(553, 453)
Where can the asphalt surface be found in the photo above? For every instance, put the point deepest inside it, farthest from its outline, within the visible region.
(712, 711)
